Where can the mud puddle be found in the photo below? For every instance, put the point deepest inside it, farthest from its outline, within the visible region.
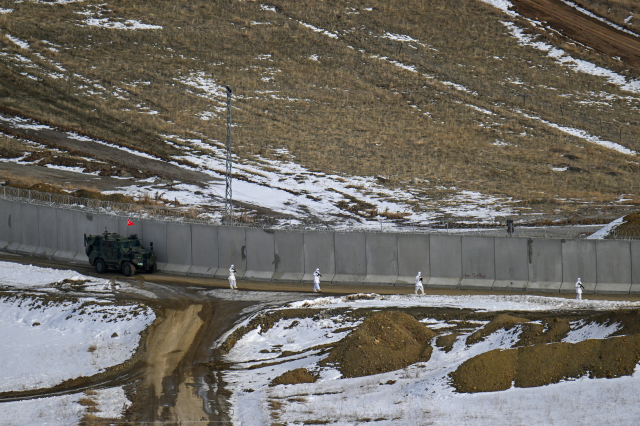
(177, 383)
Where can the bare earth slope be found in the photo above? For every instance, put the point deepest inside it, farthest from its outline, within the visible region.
(584, 29)
(440, 111)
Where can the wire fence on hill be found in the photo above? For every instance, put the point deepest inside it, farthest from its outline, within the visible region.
(160, 213)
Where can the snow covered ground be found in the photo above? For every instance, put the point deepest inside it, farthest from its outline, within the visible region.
(420, 393)
(63, 410)
(16, 275)
(46, 342)
(59, 325)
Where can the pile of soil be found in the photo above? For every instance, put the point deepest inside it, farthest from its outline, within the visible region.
(299, 375)
(553, 330)
(446, 341)
(627, 319)
(543, 364)
(385, 341)
(503, 321)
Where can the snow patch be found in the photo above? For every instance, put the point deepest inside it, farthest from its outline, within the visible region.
(581, 331)
(606, 230)
(577, 65)
(17, 41)
(129, 24)
(46, 343)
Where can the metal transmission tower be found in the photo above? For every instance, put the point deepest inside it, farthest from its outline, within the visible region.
(228, 206)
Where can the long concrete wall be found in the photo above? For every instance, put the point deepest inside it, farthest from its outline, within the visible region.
(446, 261)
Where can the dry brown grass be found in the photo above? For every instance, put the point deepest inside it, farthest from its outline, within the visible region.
(18, 181)
(90, 404)
(10, 148)
(348, 112)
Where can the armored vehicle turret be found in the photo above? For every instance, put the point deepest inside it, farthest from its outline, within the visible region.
(112, 251)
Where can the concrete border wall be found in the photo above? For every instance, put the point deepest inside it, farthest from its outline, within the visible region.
(381, 252)
(511, 263)
(204, 250)
(613, 263)
(351, 258)
(288, 256)
(48, 231)
(5, 224)
(635, 267)
(445, 259)
(232, 250)
(67, 246)
(545, 265)
(179, 256)
(15, 218)
(319, 252)
(391, 259)
(579, 261)
(261, 253)
(86, 223)
(478, 262)
(156, 233)
(413, 257)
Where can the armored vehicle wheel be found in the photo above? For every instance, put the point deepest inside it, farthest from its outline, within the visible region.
(128, 269)
(101, 267)
(153, 268)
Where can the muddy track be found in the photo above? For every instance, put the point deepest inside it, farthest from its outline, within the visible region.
(58, 139)
(583, 29)
(126, 372)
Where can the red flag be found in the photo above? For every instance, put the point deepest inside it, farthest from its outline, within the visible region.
(129, 223)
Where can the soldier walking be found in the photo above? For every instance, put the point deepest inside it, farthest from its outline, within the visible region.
(232, 277)
(419, 283)
(316, 281)
(579, 288)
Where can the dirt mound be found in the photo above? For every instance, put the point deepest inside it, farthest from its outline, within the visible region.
(552, 331)
(446, 342)
(543, 364)
(299, 375)
(628, 320)
(386, 341)
(501, 321)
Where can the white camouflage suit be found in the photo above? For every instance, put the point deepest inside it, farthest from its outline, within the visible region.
(579, 288)
(316, 280)
(419, 283)
(232, 277)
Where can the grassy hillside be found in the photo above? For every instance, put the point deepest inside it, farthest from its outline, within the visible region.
(439, 96)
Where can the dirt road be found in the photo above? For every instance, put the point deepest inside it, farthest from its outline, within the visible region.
(59, 139)
(583, 29)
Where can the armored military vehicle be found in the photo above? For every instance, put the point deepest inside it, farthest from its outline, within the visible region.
(112, 251)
